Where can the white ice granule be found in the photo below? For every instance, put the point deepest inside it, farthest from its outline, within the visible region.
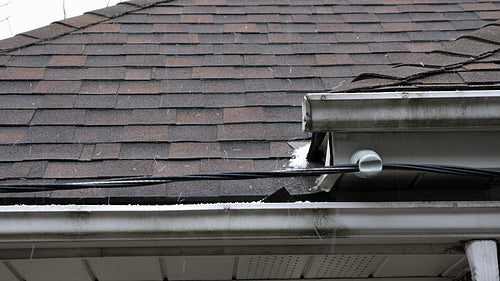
(299, 158)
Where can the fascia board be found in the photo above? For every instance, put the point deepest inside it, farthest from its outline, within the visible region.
(344, 223)
(401, 111)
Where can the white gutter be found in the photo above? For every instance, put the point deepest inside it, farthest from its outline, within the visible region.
(345, 223)
(401, 111)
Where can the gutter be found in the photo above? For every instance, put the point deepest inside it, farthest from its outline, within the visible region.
(401, 111)
(239, 223)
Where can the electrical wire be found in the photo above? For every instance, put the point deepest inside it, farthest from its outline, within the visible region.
(149, 180)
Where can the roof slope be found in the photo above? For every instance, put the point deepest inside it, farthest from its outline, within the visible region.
(166, 88)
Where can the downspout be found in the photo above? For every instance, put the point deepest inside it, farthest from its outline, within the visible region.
(483, 259)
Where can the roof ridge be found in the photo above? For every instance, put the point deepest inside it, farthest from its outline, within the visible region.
(63, 27)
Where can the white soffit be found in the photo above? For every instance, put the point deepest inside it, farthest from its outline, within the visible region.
(401, 111)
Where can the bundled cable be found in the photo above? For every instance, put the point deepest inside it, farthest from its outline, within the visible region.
(149, 180)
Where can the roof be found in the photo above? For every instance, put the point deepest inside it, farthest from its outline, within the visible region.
(177, 87)
(468, 63)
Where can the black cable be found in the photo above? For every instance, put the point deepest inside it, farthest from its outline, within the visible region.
(148, 180)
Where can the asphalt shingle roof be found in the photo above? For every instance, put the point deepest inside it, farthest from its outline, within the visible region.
(174, 87)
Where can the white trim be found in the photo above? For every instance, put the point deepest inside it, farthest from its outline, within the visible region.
(345, 223)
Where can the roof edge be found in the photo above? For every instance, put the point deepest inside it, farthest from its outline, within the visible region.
(69, 25)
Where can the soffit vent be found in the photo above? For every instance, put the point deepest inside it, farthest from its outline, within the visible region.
(344, 266)
(271, 267)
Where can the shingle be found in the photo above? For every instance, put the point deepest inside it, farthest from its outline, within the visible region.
(183, 61)
(213, 60)
(58, 87)
(444, 78)
(26, 61)
(101, 28)
(142, 49)
(99, 87)
(16, 117)
(387, 47)
(199, 116)
(154, 151)
(90, 38)
(250, 150)
(98, 134)
(478, 6)
(82, 21)
(222, 86)
(280, 149)
(488, 33)
(468, 47)
(170, 168)
(58, 117)
(49, 134)
(15, 170)
(50, 31)
(232, 72)
(37, 169)
(333, 59)
(114, 11)
(196, 18)
(54, 152)
(72, 74)
(293, 72)
(194, 150)
(22, 73)
(57, 101)
(480, 77)
(173, 73)
(137, 74)
(206, 133)
(313, 48)
(292, 27)
(106, 151)
(136, 27)
(107, 117)
(296, 60)
(179, 38)
(10, 135)
(399, 26)
(87, 152)
(144, 60)
(116, 168)
(178, 49)
(284, 38)
(138, 101)
(17, 41)
(100, 61)
(260, 59)
(153, 116)
(100, 49)
(182, 100)
(333, 27)
(66, 61)
(241, 27)
(145, 133)
(145, 87)
(225, 165)
(155, 38)
(72, 170)
(180, 86)
(104, 73)
(13, 152)
(20, 101)
(251, 38)
(422, 47)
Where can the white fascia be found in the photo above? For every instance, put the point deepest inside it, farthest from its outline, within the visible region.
(237, 224)
(401, 111)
